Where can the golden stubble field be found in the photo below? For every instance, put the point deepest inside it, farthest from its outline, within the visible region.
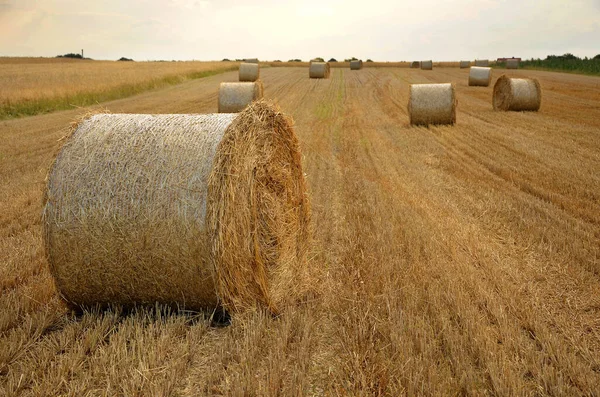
(450, 260)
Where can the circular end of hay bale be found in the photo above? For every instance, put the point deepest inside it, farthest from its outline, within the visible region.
(234, 97)
(427, 65)
(319, 70)
(249, 72)
(480, 76)
(517, 94)
(258, 212)
(432, 104)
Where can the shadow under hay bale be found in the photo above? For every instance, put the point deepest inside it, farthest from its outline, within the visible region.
(517, 94)
(483, 63)
(465, 64)
(426, 65)
(319, 70)
(234, 97)
(479, 76)
(180, 210)
(356, 65)
(249, 72)
(432, 104)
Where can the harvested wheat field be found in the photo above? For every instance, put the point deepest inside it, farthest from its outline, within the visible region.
(447, 260)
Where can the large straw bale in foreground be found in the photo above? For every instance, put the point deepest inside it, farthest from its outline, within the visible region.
(432, 104)
(249, 71)
(319, 70)
(512, 64)
(479, 76)
(234, 97)
(484, 63)
(517, 94)
(426, 65)
(187, 210)
(465, 64)
(356, 64)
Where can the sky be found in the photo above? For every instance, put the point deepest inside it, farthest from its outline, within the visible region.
(270, 29)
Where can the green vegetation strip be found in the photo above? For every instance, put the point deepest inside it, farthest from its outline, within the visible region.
(9, 110)
(563, 63)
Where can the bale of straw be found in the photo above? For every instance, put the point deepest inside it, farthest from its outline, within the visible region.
(465, 64)
(251, 60)
(480, 76)
(356, 65)
(187, 210)
(234, 97)
(517, 94)
(427, 65)
(249, 71)
(319, 70)
(432, 104)
(512, 64)
(484, 63)
(415, 65)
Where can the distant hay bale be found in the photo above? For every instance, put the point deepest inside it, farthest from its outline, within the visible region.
(251, 60)
(234, 97)
(432, 104)
(484, 63)
(319, 70)
(426, 65)
(465, 64)
(186, 210)
(480, 76)
(356, 65)
(249, 71)
(415, 65)
(517, 94)
(512, 64)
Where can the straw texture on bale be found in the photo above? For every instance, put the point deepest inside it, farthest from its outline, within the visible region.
(356, 65)
(251, 60)
(465, 64)
(427, 65)
(432, 104)
(249, 71)
(512, 64)
(234, 97)
(319, 70)
(187, 210)
(415, 65)
(484, 63)
(517, 94)
(480, 76)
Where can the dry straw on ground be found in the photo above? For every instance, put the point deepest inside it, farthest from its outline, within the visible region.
(319, 70)
(356, 65)
(249, 71)
(480, 76)
(187, 210)
(512, 64)
(415, 65)
(484, 63)
(517, 94)
(234, 97)
(432, 104)
(427, 65)
(465, 64)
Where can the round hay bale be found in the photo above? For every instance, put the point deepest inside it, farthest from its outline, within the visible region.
(187, 210)
(465, 64)
(249, 71)
(415, 65)
(251, 60)
(432, 104)
(479, 76)
(356, 65)
(234, 97)
(427, 65)
(484, 63)
(517, 94)
(319, 70)
(512, 64)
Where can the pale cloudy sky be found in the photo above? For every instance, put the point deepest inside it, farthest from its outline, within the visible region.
(270, 29)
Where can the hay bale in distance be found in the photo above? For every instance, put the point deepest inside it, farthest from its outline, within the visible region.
(512, 64)
(249, 71)
(356, 65)
(465, 64)
(427, 65)
(319, 70)
(251, 60)
(432, 104)
(415, 65)
(484, 63)
(480, 76)
(234, 97)
(517, 94)
(179, 209)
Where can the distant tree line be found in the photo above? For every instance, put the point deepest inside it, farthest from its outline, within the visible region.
(566, 62)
